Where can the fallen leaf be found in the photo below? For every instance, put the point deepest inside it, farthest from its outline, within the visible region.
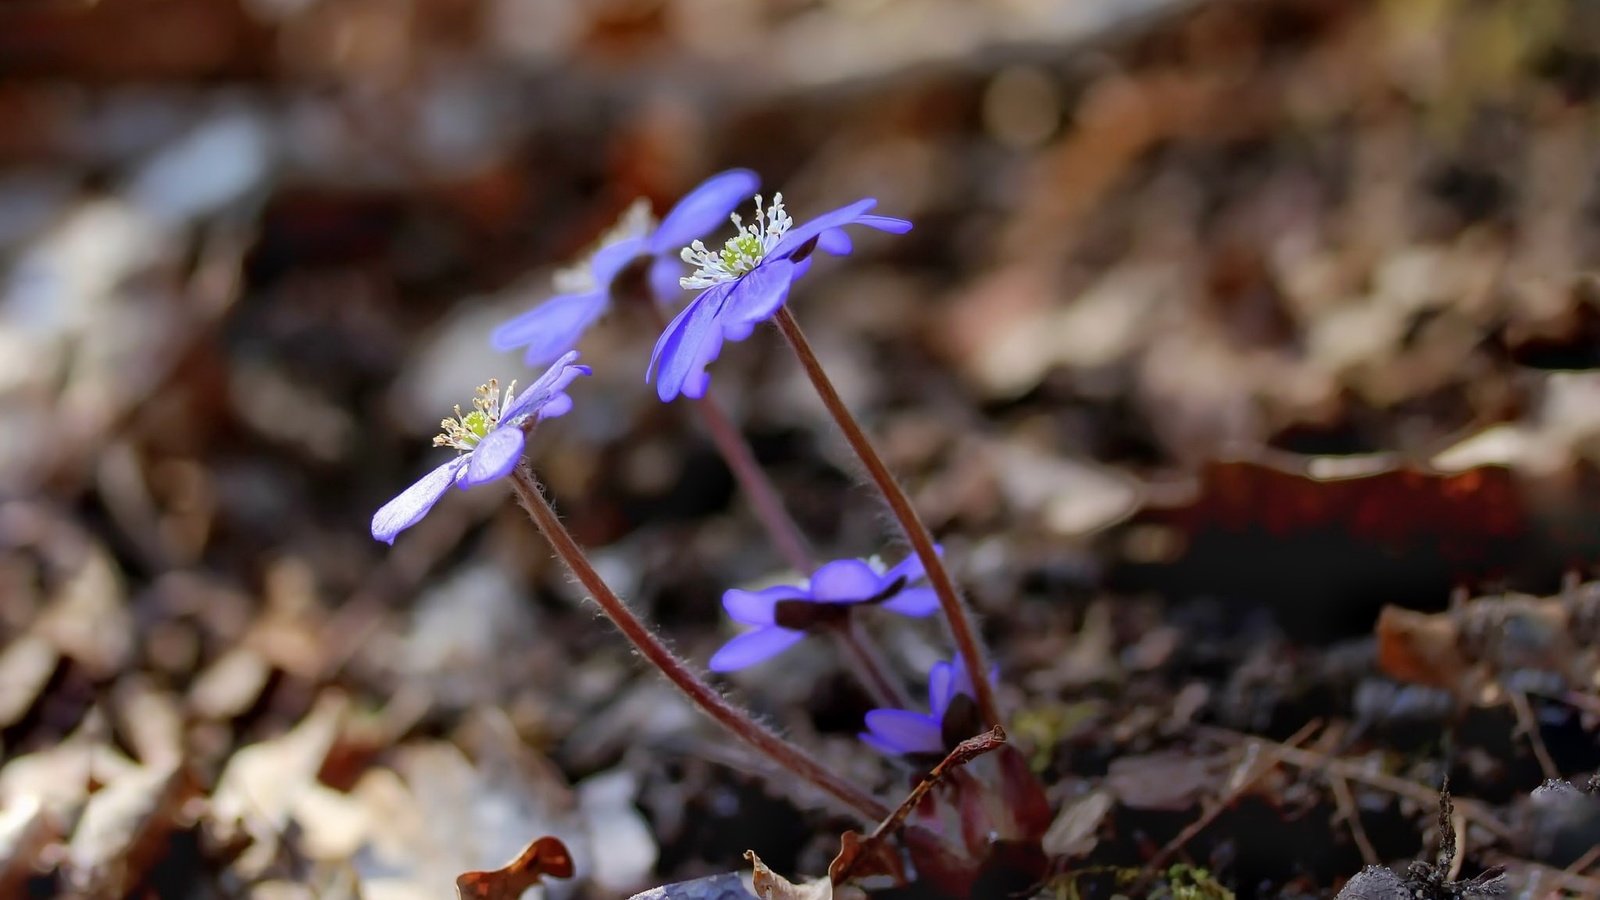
(770, 885)
(545, 856)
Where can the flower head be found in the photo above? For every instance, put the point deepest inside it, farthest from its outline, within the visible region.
(952, 716)
(785, 614)
(745, 282)
(489, 441)
(555, 326)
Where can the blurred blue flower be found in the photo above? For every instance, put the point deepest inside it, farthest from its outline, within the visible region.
(555, 326)
(783, 615)
(745, 282)
(490, 440)
(901, 732)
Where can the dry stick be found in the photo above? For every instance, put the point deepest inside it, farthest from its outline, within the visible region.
(785, 534)
(1333, 765)
(1528, 724)
(1346, 803)
(966, 751)
(955, 611)
(1257, 770)
(653, 649)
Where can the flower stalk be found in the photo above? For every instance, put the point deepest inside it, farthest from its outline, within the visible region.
(678, 672)
(962, 630)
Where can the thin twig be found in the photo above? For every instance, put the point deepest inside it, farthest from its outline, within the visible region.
(1260, 768)
(1528, 724)
(1346, 802)
(678, 672)
(956, 614)
(965, 752)
(1331, 765)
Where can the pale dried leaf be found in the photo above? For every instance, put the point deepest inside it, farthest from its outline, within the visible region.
(1072, 834)
(25, 668)
(120, 827)
(769, 885)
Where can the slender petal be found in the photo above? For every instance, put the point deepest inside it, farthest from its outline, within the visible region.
(494, 457)
(552, 383)
(753, 647)
(678, 352)
(911, 568)
(755, 607)
(879, 744)
(610, 259)
(756, 296)
(835, 241)
(704, 209)
(699, 380)
(916, 602)
(885, 223)
(941, 687)
(837, 218)
(905, 730)
(551, 328)
(556, 407)
(843, 581)
(413, 503)
(664, 275)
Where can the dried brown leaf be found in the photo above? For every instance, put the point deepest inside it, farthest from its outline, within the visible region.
(770, 885)
(545, 856)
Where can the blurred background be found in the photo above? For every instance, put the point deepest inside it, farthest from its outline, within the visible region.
(1223, 324)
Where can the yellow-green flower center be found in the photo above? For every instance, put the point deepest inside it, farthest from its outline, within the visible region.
(742, 252)
(465, 430)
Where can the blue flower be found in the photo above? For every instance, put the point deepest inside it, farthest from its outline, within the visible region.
(901, 732)
(783, 615)
(490, 439)
(745, 282)
(555, 326)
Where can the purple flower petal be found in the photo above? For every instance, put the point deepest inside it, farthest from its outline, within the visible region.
(905, 731)
(835, 241)
(699, 380)
(885, 223)
(704, 209)
(413, 503)
(753, 647)
(610, 259)
(915, 602)
(755, 607)
(911, 568)
(664, 275)
(678, 354)
(545, 388)
(797, 236)
(879, 744)
(551, 328)
(494, 457)
(941, 687)
(843, 581)
(756, 296)
(556, 407)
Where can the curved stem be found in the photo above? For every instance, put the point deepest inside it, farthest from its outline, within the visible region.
(955, 611)
(764, 499)
(758, 488)
(869, 666)
(653, 649)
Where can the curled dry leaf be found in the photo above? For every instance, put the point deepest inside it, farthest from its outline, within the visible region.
(770, 885)
(545, 856)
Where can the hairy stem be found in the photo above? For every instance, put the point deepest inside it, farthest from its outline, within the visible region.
(764, 499)
(955, 611)
(678, 672)
(864, 656)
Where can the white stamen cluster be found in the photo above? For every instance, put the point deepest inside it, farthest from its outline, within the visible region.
(465, 431)
(742, 252)
(636, 221)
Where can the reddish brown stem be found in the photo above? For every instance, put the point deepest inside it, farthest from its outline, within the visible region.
(764, 499)
(955, 611)
(864, 657)
(653, 649)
